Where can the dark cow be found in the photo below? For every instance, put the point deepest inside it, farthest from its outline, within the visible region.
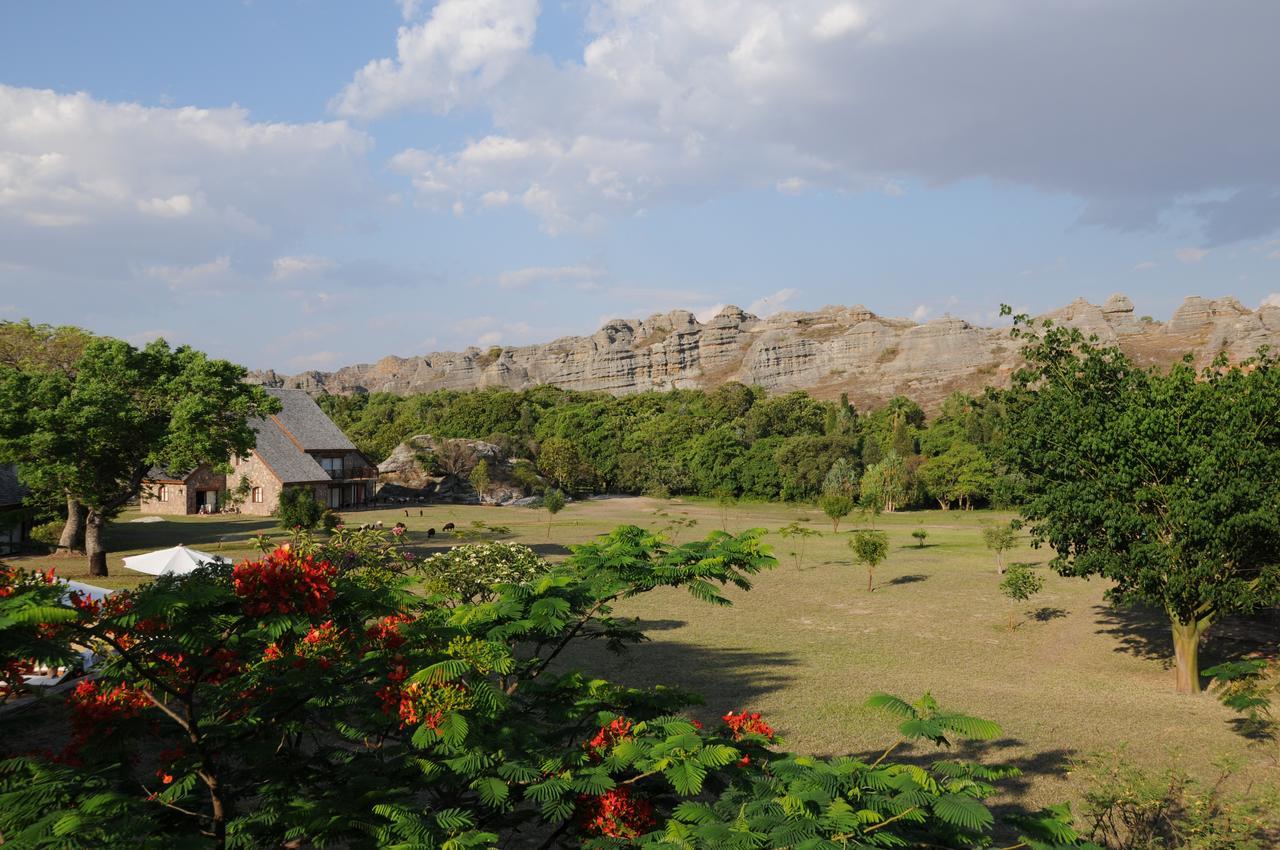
(431, 532)
(448, 526)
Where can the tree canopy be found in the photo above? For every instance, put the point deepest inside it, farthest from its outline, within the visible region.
(1163, 482)
(94, 432)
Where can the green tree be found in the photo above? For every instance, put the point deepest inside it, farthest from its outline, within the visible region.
(999, 539)
(886, 484)
(870, 548)
(479, 478)
(958, 476)
(36, 349)
(298, 508)
(920, 535)
(96, 434)
(554, 502)
(1161, 481)
(560, 461)
(1020, 583)
(836, 506)
(802, 533)
(842, 478)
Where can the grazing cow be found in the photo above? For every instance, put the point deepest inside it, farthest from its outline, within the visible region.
(448, 526)
(431, 532)
(419, 513)
(378, 524)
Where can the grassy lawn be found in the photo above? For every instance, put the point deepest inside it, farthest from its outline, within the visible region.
(809, 643)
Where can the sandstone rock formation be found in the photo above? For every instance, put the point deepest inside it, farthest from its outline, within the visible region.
(438, 469)
(827, 352)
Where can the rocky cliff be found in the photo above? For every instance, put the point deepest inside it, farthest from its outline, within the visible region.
(827, 352)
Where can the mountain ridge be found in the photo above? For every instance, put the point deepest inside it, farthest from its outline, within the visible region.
(825, 352)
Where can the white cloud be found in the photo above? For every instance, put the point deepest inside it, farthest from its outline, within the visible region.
(289, 267)
(465, 47)
(202, 276)
(920, 313)
(676, 101)
(706, 314)
(95, 189)
(1145, 265)
(1272, 300)
(316, 360)
(490, 338)
(581, 277)
(770, 304)
(839, 21)
(1190, 255)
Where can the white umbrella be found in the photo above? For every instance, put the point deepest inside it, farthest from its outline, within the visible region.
(176, 561)
(89, 591)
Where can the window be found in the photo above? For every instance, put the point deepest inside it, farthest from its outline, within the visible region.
(257, 495)
(331, 464)
(162, 493)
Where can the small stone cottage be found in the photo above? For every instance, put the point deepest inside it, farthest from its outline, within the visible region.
(298, 447)
(14, 521)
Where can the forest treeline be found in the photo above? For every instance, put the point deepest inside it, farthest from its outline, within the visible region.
(733, 441)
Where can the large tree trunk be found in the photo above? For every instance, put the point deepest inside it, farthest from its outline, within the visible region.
(72, 540)
(94, 544)
(1186, 654)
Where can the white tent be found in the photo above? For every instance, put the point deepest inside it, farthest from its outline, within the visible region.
(176, 561)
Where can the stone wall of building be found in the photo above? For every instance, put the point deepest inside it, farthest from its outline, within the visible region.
(180, 498)
(260, 476)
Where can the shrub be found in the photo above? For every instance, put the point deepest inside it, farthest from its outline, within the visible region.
(1127, 808)
(920, 535)
(48, 533)
(298, 508)
(469, 572)
(836, 506)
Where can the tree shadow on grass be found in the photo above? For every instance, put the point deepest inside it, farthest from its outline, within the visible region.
(726, 678)
(910, 578)
(1047, 613)
(1143, 631)
(199, 533)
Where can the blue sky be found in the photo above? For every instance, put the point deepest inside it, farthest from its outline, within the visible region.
(301, 185)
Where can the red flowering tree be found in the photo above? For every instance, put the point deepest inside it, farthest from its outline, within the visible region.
(312, 698)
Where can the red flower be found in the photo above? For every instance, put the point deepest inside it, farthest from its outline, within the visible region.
(386, 634)
(748, 723)
(284, 582)
(615, 814)
(94, 712)
(617, 731)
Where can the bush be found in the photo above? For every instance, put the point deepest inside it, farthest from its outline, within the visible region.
(48, 533)
(468, 572)
(1127, 808)
(298, 508)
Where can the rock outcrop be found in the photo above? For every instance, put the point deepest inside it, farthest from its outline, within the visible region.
(831, 351)
(439, 469)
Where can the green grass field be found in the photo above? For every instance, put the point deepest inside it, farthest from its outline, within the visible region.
(809, 644)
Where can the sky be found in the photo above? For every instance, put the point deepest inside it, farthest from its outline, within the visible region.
(297, 184)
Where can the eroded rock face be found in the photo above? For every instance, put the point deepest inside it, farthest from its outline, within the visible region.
(831, 351)
(438, 469)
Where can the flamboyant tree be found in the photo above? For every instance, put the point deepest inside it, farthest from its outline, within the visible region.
(311, 698)
(95, 432)
(1163, 482)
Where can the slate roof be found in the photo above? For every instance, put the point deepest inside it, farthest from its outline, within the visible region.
(307, 423)
(11, 489)
(290, 464)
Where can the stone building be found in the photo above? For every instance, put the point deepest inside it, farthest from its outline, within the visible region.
(298, 447)
(14, 521)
